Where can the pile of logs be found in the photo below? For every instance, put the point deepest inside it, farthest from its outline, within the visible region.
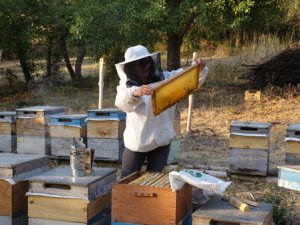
(280, 70)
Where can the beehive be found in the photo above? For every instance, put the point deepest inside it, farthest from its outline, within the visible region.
(63, 128)
(8, 138)
(292, 144)
(146, 198)
(33, 131)
(249, 148)
(105, 129)
(56, 196)
(15, 169)
(289, 177)
(221, 212)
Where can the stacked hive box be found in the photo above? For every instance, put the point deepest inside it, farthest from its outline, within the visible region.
(146, 198)
(55, 197)
(33, 131)
(292, 144)
(8, 132)
(249, 148)
(63, 128)
(218, 211)
(14, 172)
(105, 129)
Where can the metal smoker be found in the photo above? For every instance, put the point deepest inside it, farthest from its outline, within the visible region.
(81, 159)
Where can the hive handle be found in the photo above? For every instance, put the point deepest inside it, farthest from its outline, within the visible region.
(144, 194)
(57, 186)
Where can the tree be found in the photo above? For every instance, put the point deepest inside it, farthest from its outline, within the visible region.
(18, 25)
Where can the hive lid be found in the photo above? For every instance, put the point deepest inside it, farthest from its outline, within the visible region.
(63, 175)
(250, 124)
(294, 127)
(20, 166)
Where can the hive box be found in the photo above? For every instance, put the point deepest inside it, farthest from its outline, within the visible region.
(289, 177)
(219, 211)
(292, 144)
(152, 205)
(63, 128)
(105, 129)
(33, 131)
(249, 148)
(8, 138)
(14, 170)
(57, 196)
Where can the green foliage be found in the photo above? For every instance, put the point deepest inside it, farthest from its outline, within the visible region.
(281, 210)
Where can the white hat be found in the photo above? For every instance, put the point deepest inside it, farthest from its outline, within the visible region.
(135, 53)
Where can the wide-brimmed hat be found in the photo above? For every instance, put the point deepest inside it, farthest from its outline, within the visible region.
(135, 53)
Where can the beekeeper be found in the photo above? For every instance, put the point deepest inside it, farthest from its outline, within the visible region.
(146, 136)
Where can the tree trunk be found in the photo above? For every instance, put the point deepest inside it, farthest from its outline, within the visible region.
(23, 62)
(79, 61)
(49, 59)
(63, 46)
(173, 52)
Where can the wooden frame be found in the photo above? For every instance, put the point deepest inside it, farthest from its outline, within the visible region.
(178, 87)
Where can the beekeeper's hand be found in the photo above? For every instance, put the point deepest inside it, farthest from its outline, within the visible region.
(143, 90)
(201, 62)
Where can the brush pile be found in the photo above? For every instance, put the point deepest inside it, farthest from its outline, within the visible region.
(279, 70)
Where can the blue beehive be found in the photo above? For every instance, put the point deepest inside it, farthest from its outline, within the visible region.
(105, 129)
(63, 128)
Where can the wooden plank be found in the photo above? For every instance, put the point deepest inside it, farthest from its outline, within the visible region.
(7, 128)
(187, 220)
(8, 143)
(249, 161)
(32, 126)
(221, 211)
(293, 159)
(252, 96)
(247, 142)
(105, 128)
(178, 87)
(68, 131)
(108, 149)
(104, 218)
(13, 200)
(292, 147)
(36, 145)
(66, 209)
